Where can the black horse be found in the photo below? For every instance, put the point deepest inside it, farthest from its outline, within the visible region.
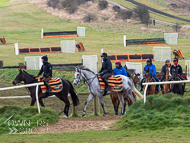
(63, 95)
(177, 88)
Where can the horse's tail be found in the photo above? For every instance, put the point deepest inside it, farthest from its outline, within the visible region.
(137, 93)
(74, 96)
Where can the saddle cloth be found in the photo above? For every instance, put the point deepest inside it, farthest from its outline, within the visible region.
(55, 84)
(115, 83)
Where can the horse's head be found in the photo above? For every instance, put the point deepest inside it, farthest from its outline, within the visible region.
(19, 77)
(78, 76)
(137, 79)
(147, 75)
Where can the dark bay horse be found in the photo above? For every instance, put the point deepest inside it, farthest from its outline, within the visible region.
(151, 88)
(177, 88)
(63, 95)
(115, 98)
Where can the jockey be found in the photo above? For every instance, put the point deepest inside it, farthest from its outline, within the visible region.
(106, 70)
(119, 70)
(163, 70)
(152, 70)
(47, 70)
(175, 61)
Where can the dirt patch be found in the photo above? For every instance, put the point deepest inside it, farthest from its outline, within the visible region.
(79, 124)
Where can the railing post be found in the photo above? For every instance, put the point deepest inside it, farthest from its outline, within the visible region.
(95, 110)
(37, 98)
(145, 93)
(74, 111)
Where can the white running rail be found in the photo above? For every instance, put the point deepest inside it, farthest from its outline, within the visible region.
(161, 83)
(21, 86)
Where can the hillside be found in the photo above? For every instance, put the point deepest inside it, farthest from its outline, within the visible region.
(100, 34)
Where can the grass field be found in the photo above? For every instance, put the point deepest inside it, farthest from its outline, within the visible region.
(3, 2)
(173, 135)
(22, 23)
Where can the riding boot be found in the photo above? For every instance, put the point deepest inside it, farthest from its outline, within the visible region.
(47, 86)
(107, 86)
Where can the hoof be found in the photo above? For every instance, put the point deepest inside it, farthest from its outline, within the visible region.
(65, 116)
(104, 114)
(83, 114)
(116, 113)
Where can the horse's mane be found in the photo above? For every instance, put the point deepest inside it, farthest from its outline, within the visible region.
(87, 69)
(33, 76)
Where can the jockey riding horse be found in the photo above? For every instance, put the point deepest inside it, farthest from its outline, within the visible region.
(47, 70)
(176, 72)
(152, 70)
(106, 70)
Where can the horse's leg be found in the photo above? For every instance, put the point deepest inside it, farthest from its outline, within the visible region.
(41, 103)
(102, 103)
(121, 101)
(64, 97)
(33, 101)
(90, 97)
(114, 98)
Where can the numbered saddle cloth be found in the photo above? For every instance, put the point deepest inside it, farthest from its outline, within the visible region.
(55, 84)
(115, 83)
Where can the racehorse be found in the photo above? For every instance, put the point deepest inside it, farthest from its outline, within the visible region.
(95, 90)
(177, 88)
(148, 78)
(166, 86)
(115, 98)
(63, 95)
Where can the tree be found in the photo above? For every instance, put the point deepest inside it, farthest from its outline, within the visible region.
(177, 27)
(125, 14)
(103, 4)
(90, 17)
(143, 13)
(53, 3)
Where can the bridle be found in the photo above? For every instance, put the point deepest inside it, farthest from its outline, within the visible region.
(84, 78)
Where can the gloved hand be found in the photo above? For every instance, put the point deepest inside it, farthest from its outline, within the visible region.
(102, 73)
(178, 74)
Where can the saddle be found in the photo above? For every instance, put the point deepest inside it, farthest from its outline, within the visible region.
(55, 84)
(115, 83)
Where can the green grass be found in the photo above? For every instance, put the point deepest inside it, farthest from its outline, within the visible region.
(3, 2)
(25, 119)
(174, 135)
(158, 112)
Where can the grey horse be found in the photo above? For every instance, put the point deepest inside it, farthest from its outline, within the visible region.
(94, 88)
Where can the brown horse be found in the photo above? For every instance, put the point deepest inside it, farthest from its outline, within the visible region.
(166, 86)
(151, 88)
(115, 99)
(63, 95)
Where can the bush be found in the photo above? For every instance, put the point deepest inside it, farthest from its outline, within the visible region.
(143, 13)
(125, 14)
(72, 9)
(116, 8)
(158, 112)
(67, 3)
(53, 3)
(90, 17)
(103, 4)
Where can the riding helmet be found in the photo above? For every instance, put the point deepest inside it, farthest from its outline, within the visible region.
(175, 60)
(45, 58)
(149, 60)
(118, 62)
(104, 55)
(167, 60)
